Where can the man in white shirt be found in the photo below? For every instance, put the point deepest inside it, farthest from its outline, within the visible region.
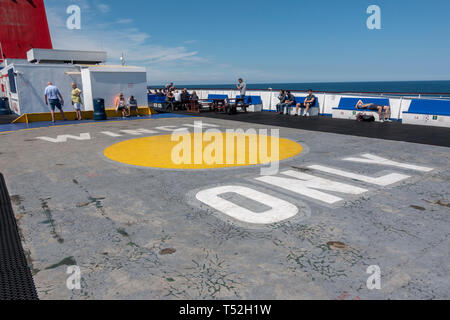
(242, 87)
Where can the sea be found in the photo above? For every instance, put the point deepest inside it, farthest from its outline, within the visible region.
(411, 87)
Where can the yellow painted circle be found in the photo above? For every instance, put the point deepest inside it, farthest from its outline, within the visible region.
(202, 151)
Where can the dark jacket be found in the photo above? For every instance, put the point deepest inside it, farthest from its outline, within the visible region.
(290, 97)
(282, 97)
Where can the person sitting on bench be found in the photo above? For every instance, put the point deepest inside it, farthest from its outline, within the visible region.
(121, 105)
(282, 98)
(133, 105)
(290, 102)
(376, 107)
(307, 104)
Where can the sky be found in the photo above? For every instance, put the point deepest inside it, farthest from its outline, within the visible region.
(263, 41)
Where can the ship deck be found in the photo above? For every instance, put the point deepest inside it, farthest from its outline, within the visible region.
(141, 232)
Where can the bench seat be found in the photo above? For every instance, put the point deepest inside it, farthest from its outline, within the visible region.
(313, 111)
(347, 107)
(254, 103)
(211, 97)
(428, 113)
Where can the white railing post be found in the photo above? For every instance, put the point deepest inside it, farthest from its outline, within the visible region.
(401, 108)
(270, 101)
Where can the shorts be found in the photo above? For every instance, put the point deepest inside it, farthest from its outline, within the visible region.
(77, 106)
(373, 107)
(121, 108)
(55, 103)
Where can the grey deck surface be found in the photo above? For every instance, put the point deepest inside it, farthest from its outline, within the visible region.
(75, 207)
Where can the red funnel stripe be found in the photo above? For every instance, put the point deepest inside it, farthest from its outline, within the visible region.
(23, 26)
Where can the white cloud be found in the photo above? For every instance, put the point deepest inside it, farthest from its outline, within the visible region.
(104, 8)
(124, 21)
(133, 42)
(190, 41)
(163, 63)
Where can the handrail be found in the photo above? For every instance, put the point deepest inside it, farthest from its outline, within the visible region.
(387, 95)
(331, 92)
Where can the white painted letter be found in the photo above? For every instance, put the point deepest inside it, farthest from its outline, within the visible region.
(381, 181)
(139, 132)
(375, 160)
(200, 124)
(167, 128)
(111, 134)
(280, 209)
(306, 184)
(63, 138)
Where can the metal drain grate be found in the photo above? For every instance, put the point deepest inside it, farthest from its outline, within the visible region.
(16, 281)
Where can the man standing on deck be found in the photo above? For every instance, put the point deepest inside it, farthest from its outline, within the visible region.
(54, 99)
(242, 87)
(76, 100)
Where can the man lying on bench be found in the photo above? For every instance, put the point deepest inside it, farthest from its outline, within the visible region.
(376, 107)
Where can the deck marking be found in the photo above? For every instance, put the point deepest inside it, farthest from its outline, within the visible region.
(197, 151)
(167, 128)
(383, 181)
(308, 185)
(139, 132)
(111, 134)
(280, 209)
(372, 159)
(64, 138)
(198, 125)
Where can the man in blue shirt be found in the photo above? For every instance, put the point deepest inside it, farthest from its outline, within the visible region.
(54, 99)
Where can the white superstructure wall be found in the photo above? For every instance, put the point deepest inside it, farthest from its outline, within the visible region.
(106, 82)
(31, 81)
